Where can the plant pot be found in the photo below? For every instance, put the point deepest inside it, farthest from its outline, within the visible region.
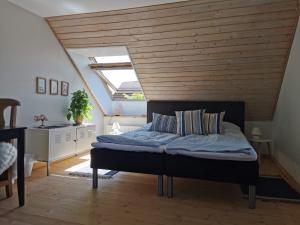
(78, 121)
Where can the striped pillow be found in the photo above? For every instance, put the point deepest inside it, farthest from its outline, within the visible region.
(190, 122)
(213, 122)
(163, 123)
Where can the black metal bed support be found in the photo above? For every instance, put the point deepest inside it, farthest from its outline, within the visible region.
(170, 187)
(160, 185)
(252, 196)
(95, 178)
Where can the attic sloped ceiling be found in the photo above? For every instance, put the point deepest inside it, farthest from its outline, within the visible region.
(199, 49)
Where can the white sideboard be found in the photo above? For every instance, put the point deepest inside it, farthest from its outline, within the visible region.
(58, 142)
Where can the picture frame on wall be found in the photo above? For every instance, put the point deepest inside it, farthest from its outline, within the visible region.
(53, 87)
(64, 88)
(41, 85)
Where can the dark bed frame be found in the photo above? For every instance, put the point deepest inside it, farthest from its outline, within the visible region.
(240, 172)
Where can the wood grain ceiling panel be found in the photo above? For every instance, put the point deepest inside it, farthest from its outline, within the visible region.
(198, 49)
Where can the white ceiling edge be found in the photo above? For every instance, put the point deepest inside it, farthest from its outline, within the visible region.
(47, 8)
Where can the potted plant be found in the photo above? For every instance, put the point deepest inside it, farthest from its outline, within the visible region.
(80, 107)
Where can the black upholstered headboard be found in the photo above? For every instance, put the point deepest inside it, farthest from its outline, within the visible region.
(235, 111)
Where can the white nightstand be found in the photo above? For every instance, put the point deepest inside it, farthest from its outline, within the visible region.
(258, 142)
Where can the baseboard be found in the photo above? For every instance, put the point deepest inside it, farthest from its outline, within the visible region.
(289, 170)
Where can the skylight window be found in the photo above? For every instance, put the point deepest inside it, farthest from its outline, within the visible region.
(117, 77)
(118, 73)
(113, 59)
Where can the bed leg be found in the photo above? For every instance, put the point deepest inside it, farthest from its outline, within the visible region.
(160, 185)
(95, 178)
(170, 187)
(252, 196)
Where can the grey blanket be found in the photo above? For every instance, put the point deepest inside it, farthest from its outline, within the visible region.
(8, 155)
(140, 137)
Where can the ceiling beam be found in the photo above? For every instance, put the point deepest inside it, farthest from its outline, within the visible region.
(110, 66)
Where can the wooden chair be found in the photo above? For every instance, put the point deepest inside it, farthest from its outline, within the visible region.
(6, 177)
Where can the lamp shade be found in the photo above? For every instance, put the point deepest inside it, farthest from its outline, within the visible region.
(256, 132)
(116, 126)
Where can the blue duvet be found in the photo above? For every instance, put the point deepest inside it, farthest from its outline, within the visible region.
(231, 141)
(140, 137)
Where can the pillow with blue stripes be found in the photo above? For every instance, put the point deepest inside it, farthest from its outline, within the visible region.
(213, 123)
(163, 123)
(190, 122)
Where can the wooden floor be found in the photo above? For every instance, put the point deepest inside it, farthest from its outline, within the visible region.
(130, 199)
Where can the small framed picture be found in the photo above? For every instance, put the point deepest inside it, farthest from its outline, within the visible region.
(41, 85)
(64, 88)
(53, 87)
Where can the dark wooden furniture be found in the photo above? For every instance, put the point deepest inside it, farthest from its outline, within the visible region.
(6, 177)
(178, 165)
(8, 134)
(12, 103)
(6, 181)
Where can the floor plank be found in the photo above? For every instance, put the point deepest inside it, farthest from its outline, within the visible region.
(130, 199)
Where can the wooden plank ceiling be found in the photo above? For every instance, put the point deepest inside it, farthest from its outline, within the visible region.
(199, 49)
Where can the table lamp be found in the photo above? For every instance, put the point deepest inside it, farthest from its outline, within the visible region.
(256, 133)
(116, 127)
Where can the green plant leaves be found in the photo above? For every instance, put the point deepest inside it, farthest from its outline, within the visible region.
(80, 106)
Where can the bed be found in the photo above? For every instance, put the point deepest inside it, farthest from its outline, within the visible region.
(144, 155)
(224, 170)
(237, 170)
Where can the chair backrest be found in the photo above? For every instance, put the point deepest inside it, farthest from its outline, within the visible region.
(4, 103)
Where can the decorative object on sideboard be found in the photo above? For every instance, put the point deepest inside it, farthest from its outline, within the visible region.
(116, 128)
(256, 133)
(80, 107)
(41, 85)
(42, 118)
(53, 87)
(64, 88)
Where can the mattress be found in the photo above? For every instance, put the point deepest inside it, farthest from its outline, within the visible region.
(252, 156)
(231, 145)
(132, 148)
(237, 156)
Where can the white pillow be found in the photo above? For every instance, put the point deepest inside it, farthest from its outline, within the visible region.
(230, 126)
(147, 126)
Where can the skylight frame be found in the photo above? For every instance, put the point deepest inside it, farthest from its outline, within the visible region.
(113, 59)
(110, 85)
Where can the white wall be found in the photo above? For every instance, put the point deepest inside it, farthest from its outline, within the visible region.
(129, 108)
(92, 79)
(287, 117)
(29, 49)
